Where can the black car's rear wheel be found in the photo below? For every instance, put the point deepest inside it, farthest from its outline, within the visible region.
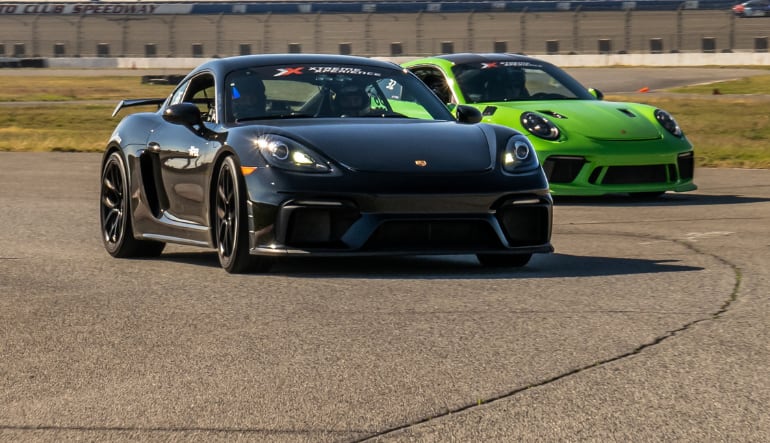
(115, 215)
(504, 260)
(230, 223)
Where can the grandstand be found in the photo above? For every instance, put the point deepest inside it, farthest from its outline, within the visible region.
(393, 28)
(347, 6)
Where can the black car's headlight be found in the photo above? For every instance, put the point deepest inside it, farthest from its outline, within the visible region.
(284, 153)
(539, 126)
(519, 155)
(667, 121)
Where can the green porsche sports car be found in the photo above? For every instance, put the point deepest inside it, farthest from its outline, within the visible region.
(587, 146)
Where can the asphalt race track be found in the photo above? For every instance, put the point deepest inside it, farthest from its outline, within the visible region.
(649, 322)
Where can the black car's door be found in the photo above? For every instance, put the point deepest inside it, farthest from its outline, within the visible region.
(185, 167)
(185, 158)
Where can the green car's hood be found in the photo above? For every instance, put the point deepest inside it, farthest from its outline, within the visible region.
(597, 120)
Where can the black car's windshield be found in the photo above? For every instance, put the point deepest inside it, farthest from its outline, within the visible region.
(328, 91)
(505, 80)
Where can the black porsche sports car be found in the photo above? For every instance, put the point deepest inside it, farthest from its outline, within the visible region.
(298, 154)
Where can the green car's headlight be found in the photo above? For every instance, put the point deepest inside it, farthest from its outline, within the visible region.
(519, 154)
(667, 121)
(539, 126)
(284, 153)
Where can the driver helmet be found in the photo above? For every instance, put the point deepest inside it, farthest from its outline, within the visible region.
(351, 100)
(248, 97)
(516, 79)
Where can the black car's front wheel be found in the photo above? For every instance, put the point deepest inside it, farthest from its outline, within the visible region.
(115, 215)
(230, 222)
(504, 260)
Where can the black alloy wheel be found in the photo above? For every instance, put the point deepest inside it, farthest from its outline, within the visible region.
(230, 223)
(115, 216)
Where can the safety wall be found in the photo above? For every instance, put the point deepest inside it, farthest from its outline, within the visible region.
(203, 30)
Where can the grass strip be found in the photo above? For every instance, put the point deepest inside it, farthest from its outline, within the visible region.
(729, 129)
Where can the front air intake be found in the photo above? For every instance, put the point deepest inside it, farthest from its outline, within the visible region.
(686, 164)
(525, 225)
(448, 235)
(560, 169)
(627, 175)
(319, 226)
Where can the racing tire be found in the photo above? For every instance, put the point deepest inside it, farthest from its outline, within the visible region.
(115, 214)
(504, 260)
(231, 233)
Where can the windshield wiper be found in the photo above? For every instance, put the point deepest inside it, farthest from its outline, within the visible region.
(276, 117)
(385, 115)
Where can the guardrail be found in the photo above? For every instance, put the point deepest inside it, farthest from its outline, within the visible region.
(180, 65)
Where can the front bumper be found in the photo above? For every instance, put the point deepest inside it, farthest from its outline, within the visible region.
(581, 175)
(366, 224)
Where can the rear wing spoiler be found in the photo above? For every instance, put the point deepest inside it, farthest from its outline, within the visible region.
(137, 102)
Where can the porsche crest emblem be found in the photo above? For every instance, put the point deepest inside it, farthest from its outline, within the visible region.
(421, 163)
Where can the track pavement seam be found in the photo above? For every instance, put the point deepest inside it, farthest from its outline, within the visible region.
(733, 296)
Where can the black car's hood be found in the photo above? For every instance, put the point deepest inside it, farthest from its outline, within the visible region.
(401, 146)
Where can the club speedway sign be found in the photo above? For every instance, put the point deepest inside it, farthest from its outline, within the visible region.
(122, 7)
(93, 8)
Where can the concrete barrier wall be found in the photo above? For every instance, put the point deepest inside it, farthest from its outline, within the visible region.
(381, 34)
(564, 60)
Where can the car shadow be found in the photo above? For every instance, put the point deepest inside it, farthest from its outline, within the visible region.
(664, 200)
(448, 267)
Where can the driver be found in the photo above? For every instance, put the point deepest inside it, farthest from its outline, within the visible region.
(439, 87)
(517, 84)
(247, 96)
(504, 85)
(351, 101)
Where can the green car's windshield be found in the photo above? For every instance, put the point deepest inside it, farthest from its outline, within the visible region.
(501, 81)
(321, 91)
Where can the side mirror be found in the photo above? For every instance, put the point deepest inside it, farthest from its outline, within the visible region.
(468, 114)
(596, 93)
(189, 116)
(185, 114)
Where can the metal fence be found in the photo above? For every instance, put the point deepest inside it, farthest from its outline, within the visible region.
(381, 34)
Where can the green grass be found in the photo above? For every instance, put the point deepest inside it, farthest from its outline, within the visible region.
(728, 122)
(731, 131)
(728, 129)
(82, 124)
(60, 127)
(49, 88)
(744, 86)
